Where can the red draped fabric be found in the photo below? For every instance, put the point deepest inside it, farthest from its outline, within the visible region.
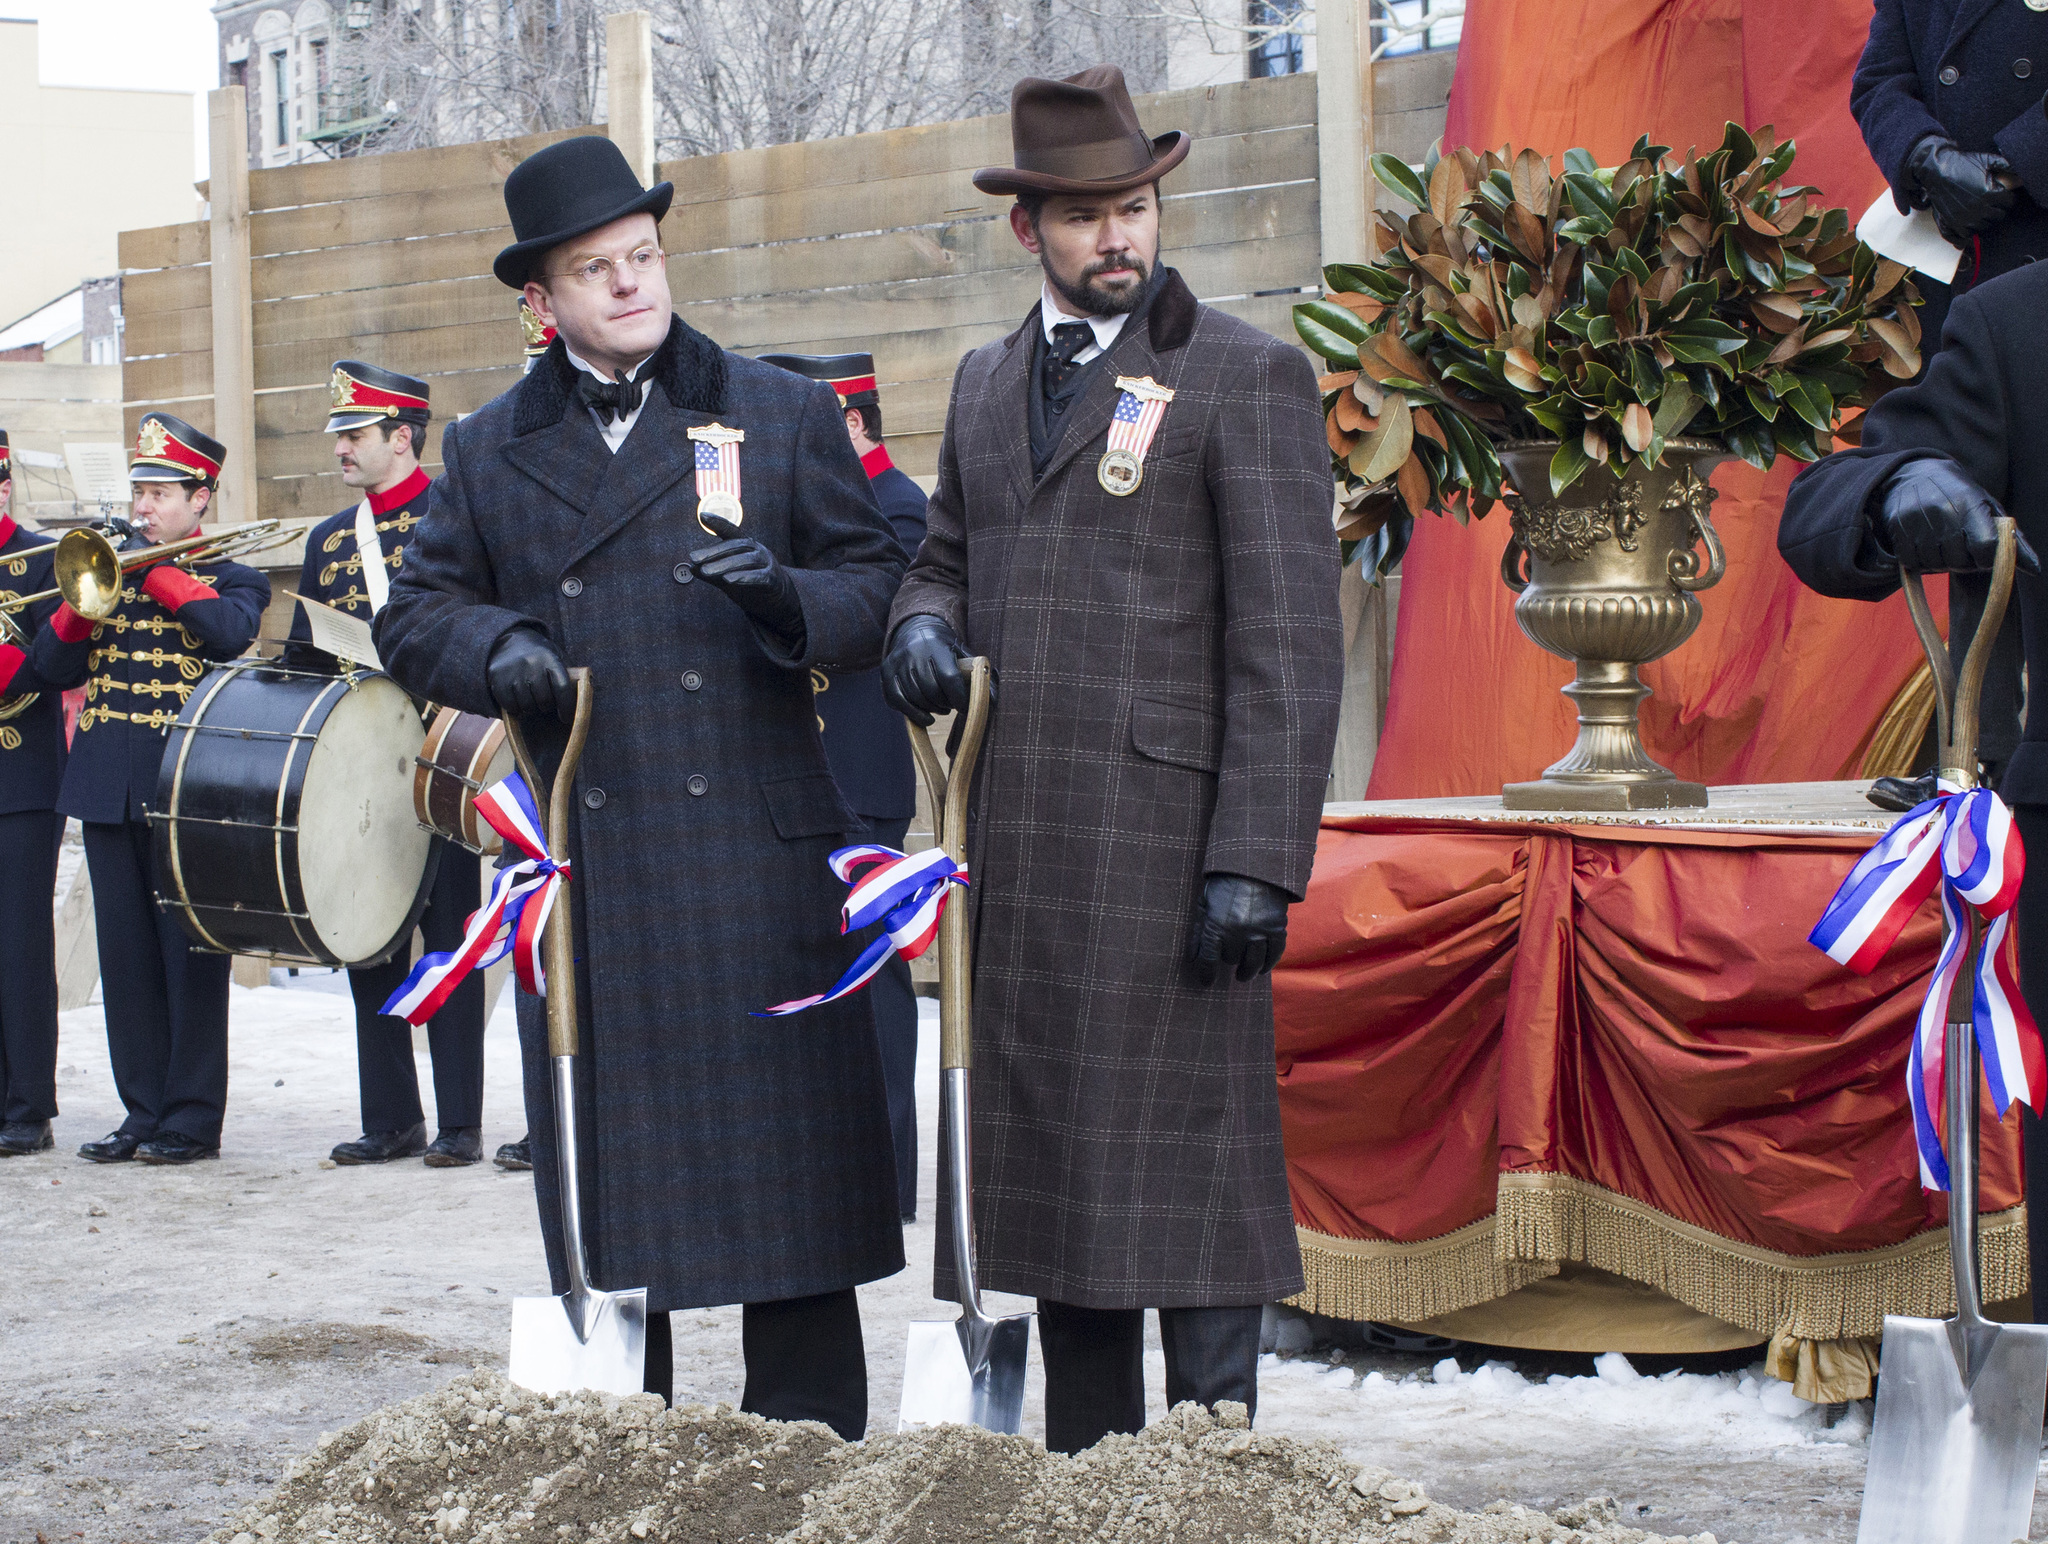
(1778, 684)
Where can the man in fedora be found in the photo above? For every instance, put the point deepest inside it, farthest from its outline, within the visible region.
(1132, 521)
(731, 1159)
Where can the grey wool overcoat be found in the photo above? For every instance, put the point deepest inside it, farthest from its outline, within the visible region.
(1169, 665)
(729, 1158)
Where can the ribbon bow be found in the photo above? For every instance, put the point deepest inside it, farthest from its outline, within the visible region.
(613, 400)
(1965, 843)
(511, 921)
(906, 895)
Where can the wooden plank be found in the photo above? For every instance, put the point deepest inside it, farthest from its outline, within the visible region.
(461, 255)
(1414, 81)
(424, 351)
(166, 289)
(401, 171)
(59, 383)
(389, 217)
(165, 246)
(149, 333)
(1203, 111)
(280, 414)
(399, 308)
(629, 89)
(167, 378)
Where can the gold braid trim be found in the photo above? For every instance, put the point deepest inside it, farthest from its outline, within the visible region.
(1545, 1219)
(160, 720)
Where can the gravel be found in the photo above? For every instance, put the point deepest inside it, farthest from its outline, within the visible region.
(481, 1460)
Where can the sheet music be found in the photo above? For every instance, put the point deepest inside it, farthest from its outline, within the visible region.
(342, 635)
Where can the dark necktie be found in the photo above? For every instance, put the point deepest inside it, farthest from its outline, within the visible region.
(1068, 339)
(613, 400)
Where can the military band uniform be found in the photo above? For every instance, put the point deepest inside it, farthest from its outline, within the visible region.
(386, 1073)
(32, 753)
(166, 1000)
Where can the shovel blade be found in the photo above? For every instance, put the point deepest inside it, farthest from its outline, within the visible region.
(944, 1385)
(1954, 1462)
(550, 1357)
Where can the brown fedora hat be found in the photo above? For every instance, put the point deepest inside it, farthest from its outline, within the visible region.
(1080, 135)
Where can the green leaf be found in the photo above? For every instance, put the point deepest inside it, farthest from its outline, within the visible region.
(1675, 408)
(1740, 147)
(1566, 466)
(1338, 351)
(1628, 259)
(1753, 442)
(1589, 197)
(1585, 229)
(1766, 407)
(1342, 320)
(1811, 401)
(1363, 279)
(1398, 177)
(1601, 330)
(1582, 162)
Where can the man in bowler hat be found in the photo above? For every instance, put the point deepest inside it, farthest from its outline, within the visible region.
(731, 1159)
(1132, 521)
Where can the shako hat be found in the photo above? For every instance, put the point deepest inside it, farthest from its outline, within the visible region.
(361, 394)
(168, 449)
(573, 186)
(851, 375)
(6, 459)
(1079, 135)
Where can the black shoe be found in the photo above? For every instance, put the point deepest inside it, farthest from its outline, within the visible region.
(383, 1146)
(20, 1137)
(456, 1148)
(515, 1155)
(175, 1147)
(114, 1147)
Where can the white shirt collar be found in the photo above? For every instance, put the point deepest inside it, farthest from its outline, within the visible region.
(614, 430)
(1050, 316)
(591, 370)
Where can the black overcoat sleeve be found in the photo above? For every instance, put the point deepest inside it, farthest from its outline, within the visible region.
(442, 619)
(1962, 409)
(226, 622)
(1885, 97)
(937, 582)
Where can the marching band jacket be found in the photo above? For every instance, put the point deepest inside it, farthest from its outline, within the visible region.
(31, 742)
(333, 571)
(137, 668)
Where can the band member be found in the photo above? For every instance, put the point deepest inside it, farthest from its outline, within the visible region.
(1940, 460)
(1132, 521)
(166, 1001)
(865, 743)
(31, 830)
(379, 419)
(732, 1158)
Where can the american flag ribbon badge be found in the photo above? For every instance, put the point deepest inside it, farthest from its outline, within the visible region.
(717, 451)
(1140, 407)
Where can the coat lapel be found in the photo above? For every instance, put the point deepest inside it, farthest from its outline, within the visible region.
(1967, 14)
(1131, 354)
(655, 456)
(568, 458)
(1009, 402)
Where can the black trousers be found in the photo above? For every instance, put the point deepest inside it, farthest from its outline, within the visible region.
(166, 1001)
(895, 1003)
(805, 1361)
(28, 984)
(385, 1070)
(1095, 1366)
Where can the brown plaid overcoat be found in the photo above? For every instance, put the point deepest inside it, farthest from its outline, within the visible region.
(1169, 665)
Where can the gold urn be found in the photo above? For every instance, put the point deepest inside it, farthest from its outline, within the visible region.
(1605, 576)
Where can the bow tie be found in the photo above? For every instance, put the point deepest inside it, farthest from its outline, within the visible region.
(613, 400)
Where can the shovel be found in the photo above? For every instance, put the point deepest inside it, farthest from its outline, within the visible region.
(1957, 1440)
(970, 1370)
(584, 1339)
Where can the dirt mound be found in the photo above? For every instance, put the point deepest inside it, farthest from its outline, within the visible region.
(483, 1461)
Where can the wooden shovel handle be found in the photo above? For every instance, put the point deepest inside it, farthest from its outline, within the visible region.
(948, 792)
(1956, 699)
(560, 943)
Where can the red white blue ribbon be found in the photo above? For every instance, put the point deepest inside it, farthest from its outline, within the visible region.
(1965, 844)
(906, 895)
(510, 922)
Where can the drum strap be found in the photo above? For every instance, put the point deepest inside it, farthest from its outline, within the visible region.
(376, 583)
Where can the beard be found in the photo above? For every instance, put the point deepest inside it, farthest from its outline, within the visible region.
(1086, 295)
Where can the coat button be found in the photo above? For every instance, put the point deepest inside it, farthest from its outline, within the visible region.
(594, 799)
(572, 587)
(1949, 75)
(692, 680)
(2022, 68)
(683, 574)
(697, 785)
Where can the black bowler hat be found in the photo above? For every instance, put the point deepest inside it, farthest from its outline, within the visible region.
(360, 394)
(168, 449)
(850, 375)
(557, 194)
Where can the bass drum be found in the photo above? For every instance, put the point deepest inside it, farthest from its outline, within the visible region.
(283, 816)
(465, 753)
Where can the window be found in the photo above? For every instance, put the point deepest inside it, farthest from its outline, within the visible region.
(281, 93)
(1277, 52)
(1417, 15)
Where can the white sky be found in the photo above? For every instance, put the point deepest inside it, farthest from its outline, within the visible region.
(166, 45)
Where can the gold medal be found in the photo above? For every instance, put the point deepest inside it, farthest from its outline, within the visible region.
(721, 504)
(1119, 471)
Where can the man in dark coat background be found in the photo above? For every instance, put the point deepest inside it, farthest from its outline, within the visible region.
(1162, 618)
(1949, 95)
(731, 1158)
(1940, 460)
(866, 745)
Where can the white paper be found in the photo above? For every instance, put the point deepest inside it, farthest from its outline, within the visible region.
(99, 473)
(1908, 238)
(343, 636)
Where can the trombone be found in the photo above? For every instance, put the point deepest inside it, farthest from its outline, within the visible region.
(89, 570)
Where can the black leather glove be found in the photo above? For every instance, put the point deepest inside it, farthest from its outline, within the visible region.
(921, 676)
(527, 676)
(1931, 518)
(751, 578)
(1240, 923)
(1969, 190)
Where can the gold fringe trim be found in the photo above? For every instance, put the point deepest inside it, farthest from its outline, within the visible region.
(1811, 1297)
(1896, 739)
(1351, 1278)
